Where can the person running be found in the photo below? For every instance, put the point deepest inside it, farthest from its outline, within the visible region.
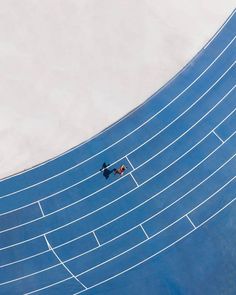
(120, 170)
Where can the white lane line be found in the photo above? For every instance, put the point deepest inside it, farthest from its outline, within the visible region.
(10, 246)
(190, 221)
(221, 28)
(40, 209)
(130, 162)
(23, 259)
(218, 136)
(63, 264)
(145, 233)
(96, 238)
(46, 240)
(134, 179)
(49, 286)
(157, 253)
(96, 266)
(139, 165)
(131, 171)
(3, 196)
(206, 200)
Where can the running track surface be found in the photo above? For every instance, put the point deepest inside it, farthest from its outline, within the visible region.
(167, 226)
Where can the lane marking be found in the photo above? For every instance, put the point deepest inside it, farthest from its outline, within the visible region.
(218, 136)
(63, 264)
(3, 196)
(40, 209)
(190, 221)
(130, 162)
(134, 179)
(145, 233)
(96, 238)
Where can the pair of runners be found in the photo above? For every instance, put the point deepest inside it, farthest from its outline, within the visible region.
(107, 172)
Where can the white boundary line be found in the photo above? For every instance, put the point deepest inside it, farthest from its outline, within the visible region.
(129, 162)
(133, 179)
(138, 107)
(96, 238)
(144, 231)
(40, 209)
(165, 208)
(190, 221)
(32, 221)
(218, 136)
(63, 172)
(61, 263)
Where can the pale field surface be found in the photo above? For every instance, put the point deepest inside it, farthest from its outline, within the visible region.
(70, 68)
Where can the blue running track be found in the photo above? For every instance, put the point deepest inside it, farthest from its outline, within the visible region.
(166, 227)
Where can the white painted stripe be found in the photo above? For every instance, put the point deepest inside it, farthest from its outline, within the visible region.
(40, 209)
(130, 163)
(58, 258)
(123, 136)
(190, 221)
(134, 179)
(23, 259)
(218, 136)
(145, 233)
(96, 238)
(46, 240)
(51, 285)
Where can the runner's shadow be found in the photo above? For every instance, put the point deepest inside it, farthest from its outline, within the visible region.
(106, 171)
